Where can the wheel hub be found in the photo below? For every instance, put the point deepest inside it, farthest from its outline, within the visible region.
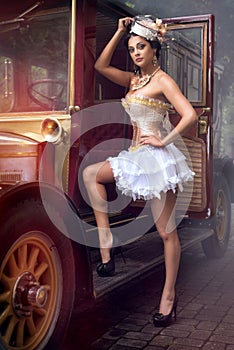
(28, 294)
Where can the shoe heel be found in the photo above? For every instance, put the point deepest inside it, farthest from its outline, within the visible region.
(118, 248)
(122, 255)
(175, 308)
(175, 312)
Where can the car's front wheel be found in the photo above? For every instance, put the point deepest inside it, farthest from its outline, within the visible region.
(37, 280)
(216, 245)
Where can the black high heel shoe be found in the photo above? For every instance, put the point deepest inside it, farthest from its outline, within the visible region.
(108, 269)
(161, 320)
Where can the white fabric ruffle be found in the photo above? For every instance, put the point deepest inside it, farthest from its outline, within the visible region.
(147, 171)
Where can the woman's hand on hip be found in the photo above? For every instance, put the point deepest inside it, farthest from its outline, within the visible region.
(151, 140)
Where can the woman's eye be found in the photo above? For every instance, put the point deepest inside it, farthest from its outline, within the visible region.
(131, 49)
(141, 46)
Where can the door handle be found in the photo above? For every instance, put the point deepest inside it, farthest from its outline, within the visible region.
(203, 125)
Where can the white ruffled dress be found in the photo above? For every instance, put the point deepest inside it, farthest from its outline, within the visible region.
(144, 171)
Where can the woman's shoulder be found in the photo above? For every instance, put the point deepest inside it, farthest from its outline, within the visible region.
(165, 81)
(164, 77)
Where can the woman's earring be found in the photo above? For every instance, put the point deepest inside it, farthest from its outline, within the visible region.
(136, 70)
(155, 61)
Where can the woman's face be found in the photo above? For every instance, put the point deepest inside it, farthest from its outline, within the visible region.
(140, 51)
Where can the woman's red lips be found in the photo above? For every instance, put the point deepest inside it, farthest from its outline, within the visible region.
(139, 59)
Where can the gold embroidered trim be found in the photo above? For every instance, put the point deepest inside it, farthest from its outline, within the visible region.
(134, 148)
(146, 101)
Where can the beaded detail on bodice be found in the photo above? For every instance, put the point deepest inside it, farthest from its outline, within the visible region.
(148, 116)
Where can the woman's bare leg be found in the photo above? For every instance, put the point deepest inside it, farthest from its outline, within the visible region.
(95, 177)
(163, 213)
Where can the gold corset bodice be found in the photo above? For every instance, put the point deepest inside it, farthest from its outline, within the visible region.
(148, 117)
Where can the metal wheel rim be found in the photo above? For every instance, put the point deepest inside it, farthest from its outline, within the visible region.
(221, 219)
(35, 253)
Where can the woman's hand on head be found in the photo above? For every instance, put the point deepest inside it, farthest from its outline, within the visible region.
(124, 23)
(151, 140)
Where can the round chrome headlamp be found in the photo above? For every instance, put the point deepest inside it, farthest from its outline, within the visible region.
(51, 130)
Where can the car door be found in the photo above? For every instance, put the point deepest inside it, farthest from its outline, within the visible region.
(187, 56)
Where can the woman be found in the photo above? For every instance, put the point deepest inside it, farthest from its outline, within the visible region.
(153, 168)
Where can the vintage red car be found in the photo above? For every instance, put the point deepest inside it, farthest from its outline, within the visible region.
(56, 116)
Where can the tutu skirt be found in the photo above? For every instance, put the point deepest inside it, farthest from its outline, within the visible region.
(147, 171)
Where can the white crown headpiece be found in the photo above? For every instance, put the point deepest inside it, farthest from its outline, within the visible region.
(149, 28)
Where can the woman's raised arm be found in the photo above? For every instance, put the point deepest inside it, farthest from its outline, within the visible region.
(102, 64)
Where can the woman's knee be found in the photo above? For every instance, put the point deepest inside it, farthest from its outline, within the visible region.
(167, 236)
(89, 174)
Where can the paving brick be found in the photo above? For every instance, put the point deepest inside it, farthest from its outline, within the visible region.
(207, 317)
(207, 325)
(228, 318)
(214, 346)
(101, 344)
(149, 328)
(200, 334)
(222, 339)
(187, 313)
(162, 340)
(182, 327)
(185, 298)
(205, 300)
(212, 310)
(181, 347)
(135, 321)
(224, 327)
(146, 308)
(175, 332)
(231, 310)
(139, 336)
(146, 317)
(193, 306)
(114, 334)
(228, 331)
(128, 326)
(149, 347)
(132, 343)
(187, 321)
(120, 347)
(189, 342)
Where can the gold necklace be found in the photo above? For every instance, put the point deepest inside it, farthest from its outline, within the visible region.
(142, 81)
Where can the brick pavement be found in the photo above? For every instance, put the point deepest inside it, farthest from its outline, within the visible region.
(205, 315)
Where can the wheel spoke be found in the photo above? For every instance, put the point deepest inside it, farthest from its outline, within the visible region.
(7, 281)
(219, 202)
(33, 258)
(22, 257)
(20, 333)
(47, 287)
(5, 297)
(31, 326)
(4, 314)
(10, 329)
(41, 312)
(12, 265)
(41, 269)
